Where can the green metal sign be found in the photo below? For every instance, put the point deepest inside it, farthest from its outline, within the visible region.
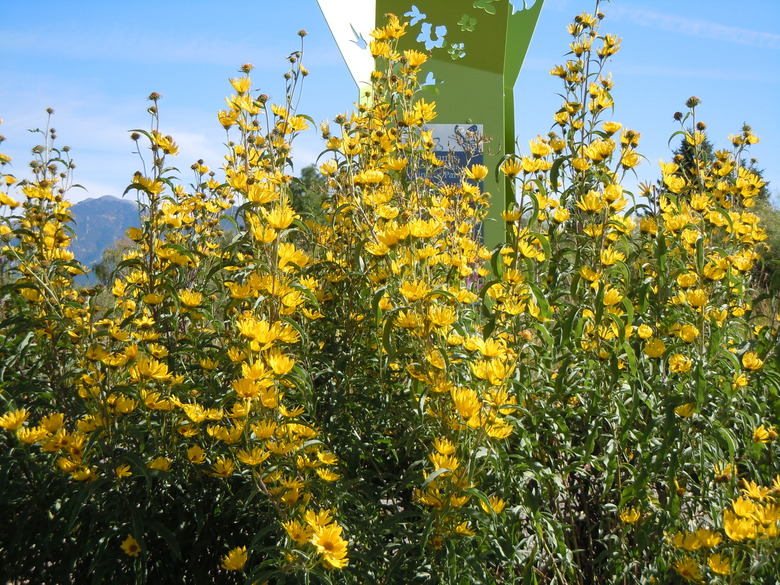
(477, 48)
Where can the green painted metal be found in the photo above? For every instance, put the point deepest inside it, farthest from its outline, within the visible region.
(476, 48)
(475, 65)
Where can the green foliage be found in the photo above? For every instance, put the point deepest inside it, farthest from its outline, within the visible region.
(350, 388)
(308, 193)
(768, 277)
(113, 255)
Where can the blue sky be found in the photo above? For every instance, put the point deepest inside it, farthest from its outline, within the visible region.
(95, 62)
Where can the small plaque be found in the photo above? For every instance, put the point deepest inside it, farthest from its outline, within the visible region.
(459, 146)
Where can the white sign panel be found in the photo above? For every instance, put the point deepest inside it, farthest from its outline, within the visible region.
(351, 23)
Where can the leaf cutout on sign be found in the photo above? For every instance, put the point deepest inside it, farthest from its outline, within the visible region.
(430, 42)
(358, 40)
(526, 4)
(415, 15)
(430, 80)
(467, 23)
(486, 5)
(457, 51)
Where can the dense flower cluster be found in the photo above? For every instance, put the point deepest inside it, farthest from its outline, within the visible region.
(749, 525)
(369, 394)
(190, 365)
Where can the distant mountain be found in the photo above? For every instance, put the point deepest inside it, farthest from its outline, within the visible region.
(98, 223)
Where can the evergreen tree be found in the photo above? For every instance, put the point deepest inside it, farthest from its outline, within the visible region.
(308, 193)
(767, 272)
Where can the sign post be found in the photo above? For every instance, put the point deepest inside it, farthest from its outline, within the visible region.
(477, 48)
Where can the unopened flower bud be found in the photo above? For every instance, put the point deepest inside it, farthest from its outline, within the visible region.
(678, 116)
(701, 126)
(247, 67)
(302, 33)
(154, 96)
(692, 102)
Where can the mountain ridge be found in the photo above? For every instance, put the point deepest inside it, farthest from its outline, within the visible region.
(98, 222)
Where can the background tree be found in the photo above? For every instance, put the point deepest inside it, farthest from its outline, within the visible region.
(308, 193)
(112, 256)
(767, 271)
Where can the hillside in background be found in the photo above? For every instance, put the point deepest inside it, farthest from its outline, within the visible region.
(98, 223)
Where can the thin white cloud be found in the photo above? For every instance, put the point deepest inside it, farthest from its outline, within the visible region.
(194, 146)
(653, 71)
(134, 45)
(94, 190)
(696, 27)
(557, 6)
